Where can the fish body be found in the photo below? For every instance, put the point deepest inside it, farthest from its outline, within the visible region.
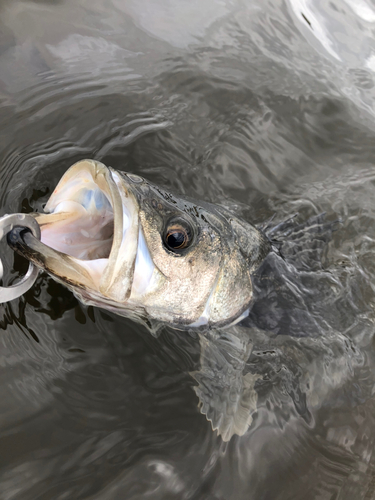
(124, 244)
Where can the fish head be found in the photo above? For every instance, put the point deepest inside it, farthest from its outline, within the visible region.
(127, 245)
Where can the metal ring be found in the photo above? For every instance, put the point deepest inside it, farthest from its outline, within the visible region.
(7, 223)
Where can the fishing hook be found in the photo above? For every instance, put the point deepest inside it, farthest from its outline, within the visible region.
(7, 224)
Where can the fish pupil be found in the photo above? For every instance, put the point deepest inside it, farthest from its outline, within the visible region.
(178, 235)
(176, 239)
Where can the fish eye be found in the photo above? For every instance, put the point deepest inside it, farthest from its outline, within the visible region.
(178, 235)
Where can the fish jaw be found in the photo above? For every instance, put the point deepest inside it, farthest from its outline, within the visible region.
(91, 231)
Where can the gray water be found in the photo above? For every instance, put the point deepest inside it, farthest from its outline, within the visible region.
(267, 107)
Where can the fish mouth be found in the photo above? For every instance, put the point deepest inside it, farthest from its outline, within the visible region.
(90, 233)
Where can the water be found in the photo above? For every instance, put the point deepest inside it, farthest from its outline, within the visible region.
(267, 107)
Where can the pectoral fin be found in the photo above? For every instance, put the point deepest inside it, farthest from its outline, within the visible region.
(227, 395)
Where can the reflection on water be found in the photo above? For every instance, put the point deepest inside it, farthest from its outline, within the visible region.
(268, 108)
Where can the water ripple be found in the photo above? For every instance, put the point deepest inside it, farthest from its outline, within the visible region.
(265, 108)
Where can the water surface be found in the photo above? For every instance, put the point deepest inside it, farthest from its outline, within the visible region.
(266, 107)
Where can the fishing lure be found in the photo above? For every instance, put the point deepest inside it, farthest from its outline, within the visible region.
(7, 224)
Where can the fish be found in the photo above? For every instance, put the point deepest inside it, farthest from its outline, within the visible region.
(121, 243)
(129, 246)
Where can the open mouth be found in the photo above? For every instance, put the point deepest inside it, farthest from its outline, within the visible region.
(92, 224)
(81, 219)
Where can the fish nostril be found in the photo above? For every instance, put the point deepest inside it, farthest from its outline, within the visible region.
(135, 178)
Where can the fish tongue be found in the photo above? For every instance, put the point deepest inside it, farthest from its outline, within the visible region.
(44, 219)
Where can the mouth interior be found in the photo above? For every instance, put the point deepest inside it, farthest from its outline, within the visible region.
(81, 219)
(92, 222)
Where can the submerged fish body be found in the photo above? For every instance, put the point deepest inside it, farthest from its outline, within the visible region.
(124, 244)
